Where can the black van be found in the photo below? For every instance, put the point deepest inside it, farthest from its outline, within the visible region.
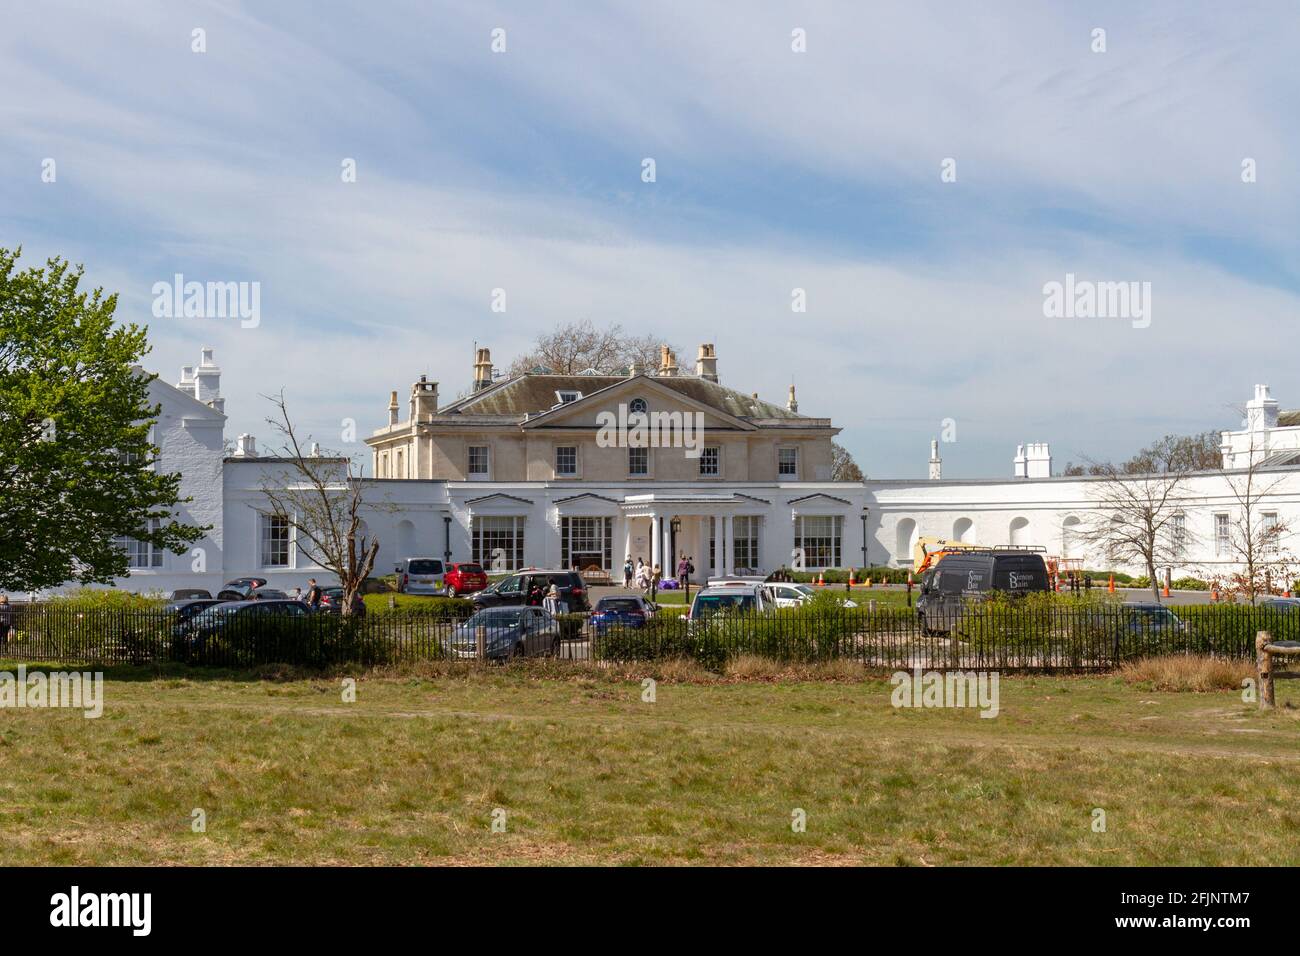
(960, 578)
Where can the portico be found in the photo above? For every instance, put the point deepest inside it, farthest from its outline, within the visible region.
(702, 525)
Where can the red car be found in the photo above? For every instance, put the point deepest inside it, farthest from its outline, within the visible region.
(464, 579)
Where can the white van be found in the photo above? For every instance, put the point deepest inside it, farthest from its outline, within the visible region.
(421, 576)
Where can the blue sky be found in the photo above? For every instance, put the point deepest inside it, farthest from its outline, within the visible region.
(775, 170)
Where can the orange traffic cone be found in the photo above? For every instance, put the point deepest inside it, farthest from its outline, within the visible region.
(1166, 590)
(852, 582)
(867, 582)
(1111, 586)
(821, 580)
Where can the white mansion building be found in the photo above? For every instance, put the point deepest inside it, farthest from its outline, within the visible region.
(522, 472)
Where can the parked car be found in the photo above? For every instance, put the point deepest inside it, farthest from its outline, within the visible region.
(622, 611)
(786, 594)
(184, 611)
(240, 588)
(508, 632)
(331, 602)
(212, 621)
(963, 577)
(421, 576)
(190, 594)
(517, 588)
(1152, 618)
(1287, 605)
(464, 578)
(735, 597)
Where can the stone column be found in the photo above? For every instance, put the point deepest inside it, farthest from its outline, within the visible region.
(656, 538)
(728, 545)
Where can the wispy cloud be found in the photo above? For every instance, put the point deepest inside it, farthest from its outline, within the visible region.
(775, 170)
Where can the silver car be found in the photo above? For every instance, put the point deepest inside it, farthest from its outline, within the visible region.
(421, 576)
(507, 633)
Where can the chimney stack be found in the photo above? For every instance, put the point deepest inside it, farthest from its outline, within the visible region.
(392, 408)
(207, 380)
(1262, 410)
(482, 369)
(424, 400)
(936, 463)
(1038, 460)
(706, 363)
(792, 403)
(667, 361)
(246, 446)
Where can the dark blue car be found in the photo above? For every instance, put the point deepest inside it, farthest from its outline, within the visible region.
(626, 611)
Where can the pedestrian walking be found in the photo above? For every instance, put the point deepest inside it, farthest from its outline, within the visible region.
(314, 594)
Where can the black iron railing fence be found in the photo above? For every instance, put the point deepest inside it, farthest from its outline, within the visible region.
(1046, 637)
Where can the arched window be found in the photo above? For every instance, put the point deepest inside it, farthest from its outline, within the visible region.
(963, 530)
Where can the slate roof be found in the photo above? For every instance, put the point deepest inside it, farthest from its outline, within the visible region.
(532, 394)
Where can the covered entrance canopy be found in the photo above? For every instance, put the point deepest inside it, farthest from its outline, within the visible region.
(685, 522)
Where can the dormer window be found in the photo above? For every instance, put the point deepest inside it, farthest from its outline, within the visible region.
(567, 395)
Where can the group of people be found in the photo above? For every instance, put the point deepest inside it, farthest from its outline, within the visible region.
(647, 579)
(549, 598)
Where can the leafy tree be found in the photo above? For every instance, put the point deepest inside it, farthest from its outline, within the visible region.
(76, 463)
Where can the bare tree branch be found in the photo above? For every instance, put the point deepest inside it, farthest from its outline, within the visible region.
(321, 498)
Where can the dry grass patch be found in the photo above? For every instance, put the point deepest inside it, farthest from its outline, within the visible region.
(1197, 673)
(588, 770)
(751, 667)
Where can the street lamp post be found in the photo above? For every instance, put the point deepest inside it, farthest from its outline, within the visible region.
(865, 563)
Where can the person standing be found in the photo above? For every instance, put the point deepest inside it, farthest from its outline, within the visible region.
(655, 574)
(552, 601)
(6, 619)
(684, 574)
(314, 594)
(627, 572)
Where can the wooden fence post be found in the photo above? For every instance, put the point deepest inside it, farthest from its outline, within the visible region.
(1264, 670)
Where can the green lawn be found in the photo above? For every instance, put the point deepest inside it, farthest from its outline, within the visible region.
(712, 771)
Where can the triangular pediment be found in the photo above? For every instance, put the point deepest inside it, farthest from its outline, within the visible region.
(616, 399)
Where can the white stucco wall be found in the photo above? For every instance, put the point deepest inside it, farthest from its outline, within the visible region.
(409, 516)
